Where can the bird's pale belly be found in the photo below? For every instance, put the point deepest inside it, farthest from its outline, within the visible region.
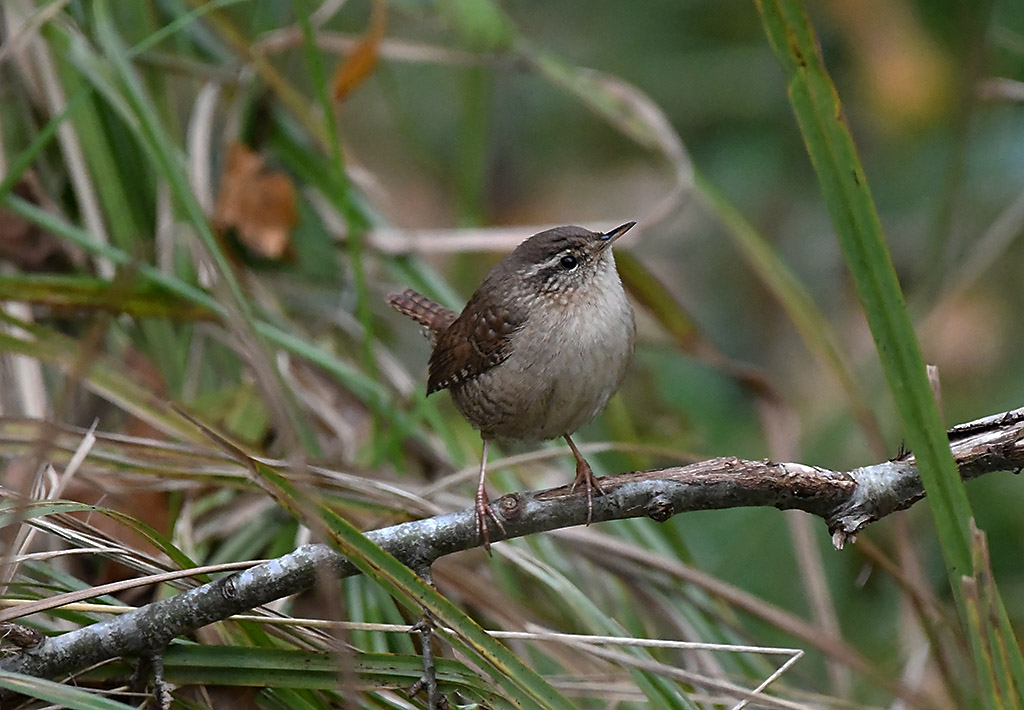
(556, 381)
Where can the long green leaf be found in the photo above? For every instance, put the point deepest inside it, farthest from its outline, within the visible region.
(359, 384)
(858, 229)
(507, 670)
(194, 664)
(62, 695)
(103, 376)
(86, 293)
(123, 84)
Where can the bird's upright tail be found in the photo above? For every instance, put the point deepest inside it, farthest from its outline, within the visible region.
(428, 313)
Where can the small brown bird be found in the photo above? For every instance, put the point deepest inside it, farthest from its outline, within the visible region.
(539, 349)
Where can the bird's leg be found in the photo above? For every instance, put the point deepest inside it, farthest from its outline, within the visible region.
(585, 476)
(483, 507)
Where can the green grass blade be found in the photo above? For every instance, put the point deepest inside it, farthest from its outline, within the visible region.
(858, 229)
(103, 377)
(520, 681)
(859, 232)
(365, 388)
(23, 160)
(982, 604)
(192, 664)
(61, 695)
(86, 293)
(522, 684)
(142, 118)
(354, 220)
(24, 511)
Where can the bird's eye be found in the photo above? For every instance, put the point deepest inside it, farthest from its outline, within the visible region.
(569, 262)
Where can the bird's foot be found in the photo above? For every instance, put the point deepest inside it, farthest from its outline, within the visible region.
(585, 477)
(483, 512)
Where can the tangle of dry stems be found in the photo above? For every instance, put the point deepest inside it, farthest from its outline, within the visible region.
(846, 500)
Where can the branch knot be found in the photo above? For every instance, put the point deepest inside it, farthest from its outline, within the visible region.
(660, 508)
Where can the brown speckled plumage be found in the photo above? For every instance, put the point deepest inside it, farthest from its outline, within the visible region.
(541, 345)
(476, 341)
(428, 313)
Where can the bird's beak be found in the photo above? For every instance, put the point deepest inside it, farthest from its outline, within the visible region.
(608, 237)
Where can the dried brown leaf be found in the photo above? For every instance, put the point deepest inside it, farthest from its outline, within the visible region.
(259, 203)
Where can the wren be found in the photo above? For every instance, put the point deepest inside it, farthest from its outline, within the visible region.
(539, 349)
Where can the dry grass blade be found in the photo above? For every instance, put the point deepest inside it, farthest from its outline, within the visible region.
(394, 49)
(18, 609)
(23, 540)
(724, 687)
(470, 473)
(37, 54)
(631, 560)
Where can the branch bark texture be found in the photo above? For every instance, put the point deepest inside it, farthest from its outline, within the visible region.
(846, 500)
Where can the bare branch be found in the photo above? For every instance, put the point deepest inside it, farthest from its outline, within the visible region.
(846, 500)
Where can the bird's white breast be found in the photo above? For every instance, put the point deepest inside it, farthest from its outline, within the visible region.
(566, 365)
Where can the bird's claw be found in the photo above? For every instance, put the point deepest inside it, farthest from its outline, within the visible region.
(483, 512)
(585, 477)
